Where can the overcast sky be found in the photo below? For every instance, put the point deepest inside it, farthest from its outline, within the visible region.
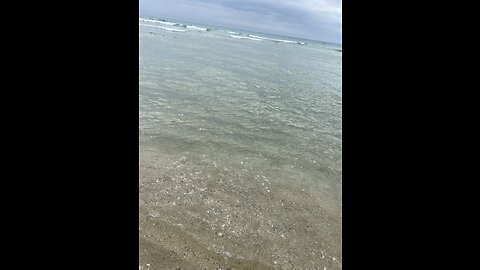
(311, 19)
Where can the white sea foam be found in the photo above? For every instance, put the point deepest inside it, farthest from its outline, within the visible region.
(277, 40)
(258, 39)
(196, 28)
(257, 36)
(162, 22)
(163, 28)
(155, 21)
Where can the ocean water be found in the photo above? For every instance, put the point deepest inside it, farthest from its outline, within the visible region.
(240, 149)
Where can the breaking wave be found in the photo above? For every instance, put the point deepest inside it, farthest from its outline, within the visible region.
(162, 22)
(251, 38)
(163, 28)
(277, 40)
(193, 27)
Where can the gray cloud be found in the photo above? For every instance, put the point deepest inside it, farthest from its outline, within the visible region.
(312, 19)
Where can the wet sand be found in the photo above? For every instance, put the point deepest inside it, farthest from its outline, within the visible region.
(197, 214)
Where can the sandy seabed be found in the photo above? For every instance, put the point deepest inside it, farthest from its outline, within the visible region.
(198, 214)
